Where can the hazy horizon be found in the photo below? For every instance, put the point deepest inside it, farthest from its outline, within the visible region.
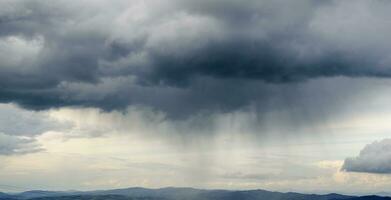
(319, 192)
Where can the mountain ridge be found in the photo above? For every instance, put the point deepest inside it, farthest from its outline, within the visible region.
(174, 193)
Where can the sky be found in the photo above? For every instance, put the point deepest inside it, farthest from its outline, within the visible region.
(216, 94)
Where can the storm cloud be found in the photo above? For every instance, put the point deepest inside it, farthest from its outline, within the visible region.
(374, 158)
(183, 57)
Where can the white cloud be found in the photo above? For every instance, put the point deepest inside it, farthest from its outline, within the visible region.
(374, 158)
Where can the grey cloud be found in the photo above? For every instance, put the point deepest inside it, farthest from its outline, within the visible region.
(179, 56)
(18, 122)
(11, 145)
(374, 158)
(19, 128)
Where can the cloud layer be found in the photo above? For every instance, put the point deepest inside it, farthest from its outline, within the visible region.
(374, 158)
(180, 56)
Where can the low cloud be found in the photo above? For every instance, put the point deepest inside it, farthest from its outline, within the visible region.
(19, 129)
(11, 145)
(20, 122)
(374, 158)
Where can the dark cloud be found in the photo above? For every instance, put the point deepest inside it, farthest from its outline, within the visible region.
(374, 158)
(183, 57)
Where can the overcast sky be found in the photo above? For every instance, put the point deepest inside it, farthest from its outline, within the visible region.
(272, 94)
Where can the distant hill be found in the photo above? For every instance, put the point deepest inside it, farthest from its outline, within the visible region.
(94, 197)
(172, 193)
(39, 193)
(371, 197)
(196, 194)
(4, 196)
(384, 194)
(169, 193)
